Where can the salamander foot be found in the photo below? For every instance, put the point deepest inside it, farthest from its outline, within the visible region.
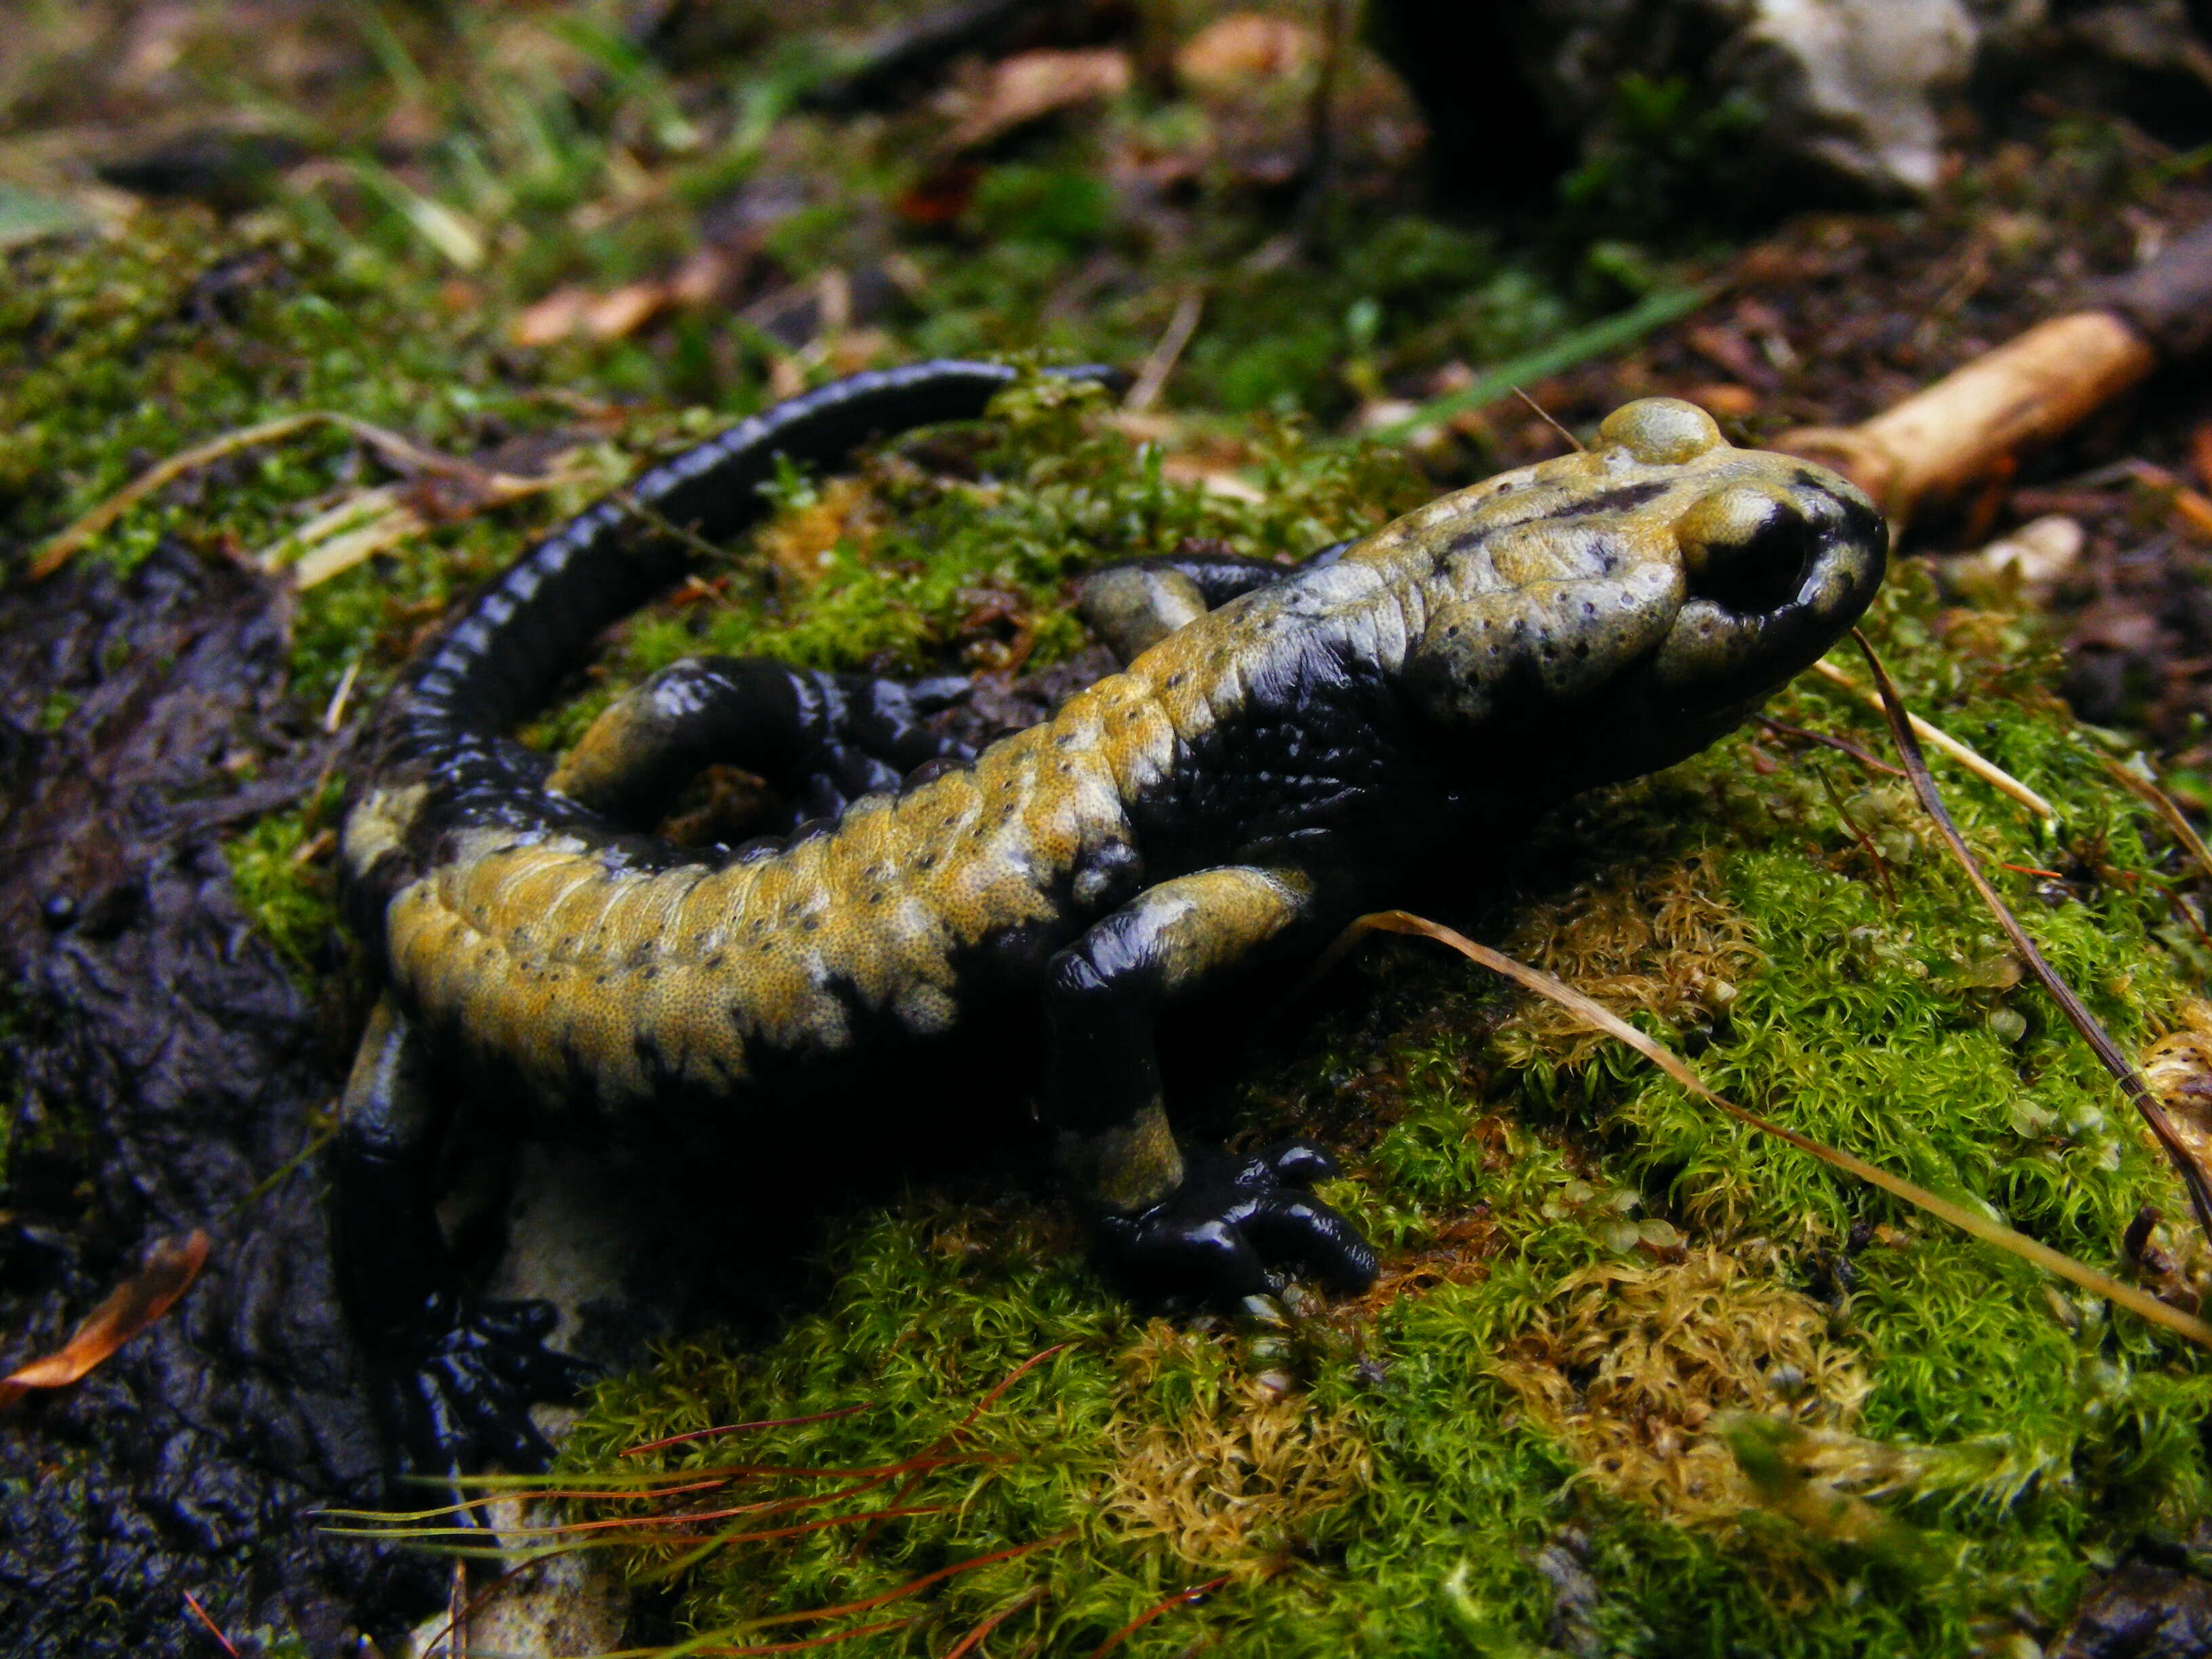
(1241, 1227)
(462, 1379)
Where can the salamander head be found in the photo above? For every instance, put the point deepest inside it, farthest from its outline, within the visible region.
(1630, 604)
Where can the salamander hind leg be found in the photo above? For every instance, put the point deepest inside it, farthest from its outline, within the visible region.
(457, 1374)
(822, 740)
(1221, 1228)
(1133, 606)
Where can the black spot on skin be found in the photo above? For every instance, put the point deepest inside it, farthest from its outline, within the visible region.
(1621, 499)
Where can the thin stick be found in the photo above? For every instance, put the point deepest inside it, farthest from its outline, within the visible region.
(1842, 745)
(967, 1422)
(2175, 819)
(1967, 1221)
(334, 716)
(1152, 379)
(1545, 415)
(740, 1428)
(214, 1629)
(1579, 346)
(911, 1587)
(1865, 841)
(1983, 768)
(2077, 1014)
(973, 1639)
(1179, 1599)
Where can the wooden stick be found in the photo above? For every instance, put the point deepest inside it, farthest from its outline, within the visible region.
(2029, 389)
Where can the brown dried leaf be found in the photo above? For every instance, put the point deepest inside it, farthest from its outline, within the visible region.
(169, 1270)
(1031, 84)
(1245, 49)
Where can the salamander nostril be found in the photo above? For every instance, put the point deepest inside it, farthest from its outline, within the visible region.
(1745, 549)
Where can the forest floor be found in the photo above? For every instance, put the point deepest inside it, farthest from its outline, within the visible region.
(1633, 1380)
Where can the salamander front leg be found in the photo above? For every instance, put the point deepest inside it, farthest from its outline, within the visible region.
(458, 1374)
(1223, 1228)
(824, 739)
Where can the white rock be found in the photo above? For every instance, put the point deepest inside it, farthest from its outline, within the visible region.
(2030, 562)
(1851, 83)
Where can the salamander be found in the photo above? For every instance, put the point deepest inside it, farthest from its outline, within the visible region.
(1282, 744)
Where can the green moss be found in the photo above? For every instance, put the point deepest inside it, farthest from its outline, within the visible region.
(280, 867)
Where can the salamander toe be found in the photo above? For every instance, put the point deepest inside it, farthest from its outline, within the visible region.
(1239, 1228)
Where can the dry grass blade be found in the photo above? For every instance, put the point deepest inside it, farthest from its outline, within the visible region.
(2077, 1014)
(911, 1587)
(213, 1629)
(741, 1428)
(390, 520)
(1152, 378)
(1980, 1226)
(1827, 740)
(58, 552)
(1865, 841)
(1979, 764)
(965, 1423)
(2145, 789)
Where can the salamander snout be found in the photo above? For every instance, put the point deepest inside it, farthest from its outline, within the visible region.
(1747, 547)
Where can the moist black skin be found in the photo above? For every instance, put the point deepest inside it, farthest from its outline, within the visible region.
(1282, 744)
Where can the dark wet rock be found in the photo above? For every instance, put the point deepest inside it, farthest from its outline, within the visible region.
(2142, 1610)
(167, 1069)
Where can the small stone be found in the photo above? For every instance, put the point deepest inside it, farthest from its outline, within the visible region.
(2027, 564)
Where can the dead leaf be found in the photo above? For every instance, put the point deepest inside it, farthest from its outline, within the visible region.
(618, 315)
(1724, 398)
(169, 1270)
(1030, 84)
(1245, 49)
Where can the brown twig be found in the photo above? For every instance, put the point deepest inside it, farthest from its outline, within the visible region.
(1979, 764)
(973, 1639)
(1545, 415)
(2168, 809)
(2077, 1014)
(738, 1428)
(1179, 1599)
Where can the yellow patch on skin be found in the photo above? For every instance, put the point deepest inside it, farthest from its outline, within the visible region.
(380, 821)
(1126, 1167)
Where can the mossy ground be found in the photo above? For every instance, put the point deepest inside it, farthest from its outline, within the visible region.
(1634, 1380)
(1634, 1377)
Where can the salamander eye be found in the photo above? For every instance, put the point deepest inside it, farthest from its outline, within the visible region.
(1747, 549)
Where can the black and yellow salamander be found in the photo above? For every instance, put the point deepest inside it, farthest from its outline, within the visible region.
(1282, 745)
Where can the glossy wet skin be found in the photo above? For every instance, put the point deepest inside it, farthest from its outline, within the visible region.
(1280, 745)
(1636, 600)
